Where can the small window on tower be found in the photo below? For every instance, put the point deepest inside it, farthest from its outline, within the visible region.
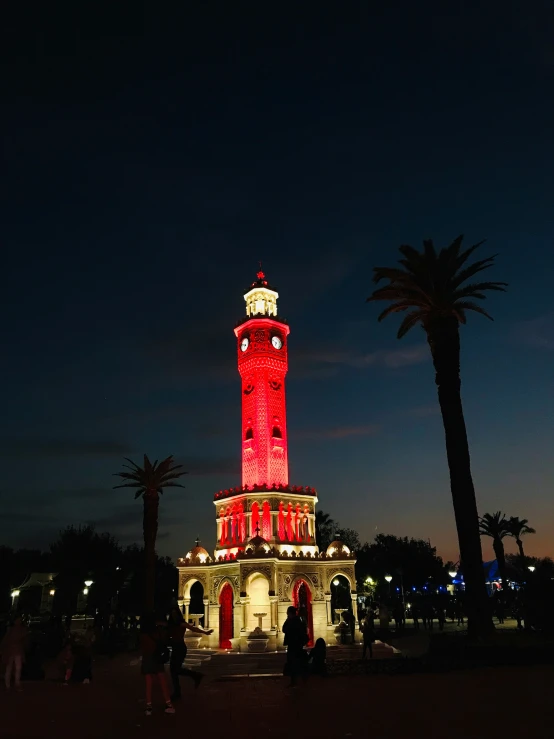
(249, 434)
(276, 433)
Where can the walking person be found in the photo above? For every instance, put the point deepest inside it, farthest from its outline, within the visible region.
(177, 628)
(441, 617)
(500, 611)
(12, 649)
(368, 633)
(153, 646)
(415, 616)
(87, 645)
(296, 638)
(429, 615)
(66, 657)
(460, 612)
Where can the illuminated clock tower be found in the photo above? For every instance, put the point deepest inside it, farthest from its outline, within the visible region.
(263, 364)
(266, 556)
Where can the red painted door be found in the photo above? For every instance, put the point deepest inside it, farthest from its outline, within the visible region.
(226, 616)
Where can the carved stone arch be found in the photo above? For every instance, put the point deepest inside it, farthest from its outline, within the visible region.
(345, 572)
(247, 571)
(217, 584)
(188, 580)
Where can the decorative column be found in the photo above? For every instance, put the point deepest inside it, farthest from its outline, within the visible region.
(187, 604)
(213, 640)
(274, 600)
(328, 609)
(206, 602)
(243, 606)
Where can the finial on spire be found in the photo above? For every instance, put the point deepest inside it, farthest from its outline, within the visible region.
(260, 275)
(257, 528)
(197, 542)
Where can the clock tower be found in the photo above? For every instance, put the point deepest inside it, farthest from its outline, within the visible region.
(266, 556)
(263, 363)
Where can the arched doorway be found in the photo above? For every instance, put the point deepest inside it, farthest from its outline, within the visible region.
(196, 606)
(226, 616)
(257, 589)
(302, 601)
(341, 599)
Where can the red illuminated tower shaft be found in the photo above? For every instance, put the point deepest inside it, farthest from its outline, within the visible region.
(263, 364)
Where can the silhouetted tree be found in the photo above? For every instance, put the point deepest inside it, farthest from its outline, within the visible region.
(350, 538)
(325, 528)
(433, 288)
(151, 479)
(131, 594)
(495, 525)
(79, 554)
(415, 559)
(518, 527)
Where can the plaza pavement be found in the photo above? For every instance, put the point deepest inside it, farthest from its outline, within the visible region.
(487, 703)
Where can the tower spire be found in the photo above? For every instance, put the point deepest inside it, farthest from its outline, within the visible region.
(263, 364)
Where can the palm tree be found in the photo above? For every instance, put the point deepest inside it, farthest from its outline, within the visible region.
(150, 480)
(517, 527)
(324, 529)
(496, 526)
(431, 286)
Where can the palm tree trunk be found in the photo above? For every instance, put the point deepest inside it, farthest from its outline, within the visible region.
(150, 532)
(521, 552)
(522, 555)
(444, 340)
(498, 547)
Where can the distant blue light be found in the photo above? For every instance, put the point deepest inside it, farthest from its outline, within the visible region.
(397, 590)
(425, 587)
(413, 589)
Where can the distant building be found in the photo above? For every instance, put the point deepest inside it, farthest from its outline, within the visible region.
(36, 594)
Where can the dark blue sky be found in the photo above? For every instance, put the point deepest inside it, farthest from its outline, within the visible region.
(150, 160)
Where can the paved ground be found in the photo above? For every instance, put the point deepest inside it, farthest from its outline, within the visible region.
(489, 703)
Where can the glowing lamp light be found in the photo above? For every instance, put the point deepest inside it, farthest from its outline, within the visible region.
(52, 592)
(388, 578)
(336, 582)
(88, 583)
(452, 573)
(85, 591)
(15, 593)
(369, 580)
(531, 568)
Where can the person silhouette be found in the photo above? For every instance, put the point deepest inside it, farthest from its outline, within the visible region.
(296, 638)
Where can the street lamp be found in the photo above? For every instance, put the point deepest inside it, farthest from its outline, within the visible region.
(336, 582)
(88, 583)
(531, 568)
(452, 573)
(388, 578)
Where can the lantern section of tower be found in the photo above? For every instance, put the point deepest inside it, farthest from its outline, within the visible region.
(262, 348)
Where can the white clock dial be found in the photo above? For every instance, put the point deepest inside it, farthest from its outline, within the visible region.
(244, 344)
(276, 341)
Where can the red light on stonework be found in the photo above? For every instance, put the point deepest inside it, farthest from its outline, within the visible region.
(260, 275)
(264, 451)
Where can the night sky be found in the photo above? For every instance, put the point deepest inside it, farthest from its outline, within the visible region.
(151, 159)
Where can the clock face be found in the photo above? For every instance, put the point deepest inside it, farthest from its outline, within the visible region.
(276, 341)
(244, 344)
